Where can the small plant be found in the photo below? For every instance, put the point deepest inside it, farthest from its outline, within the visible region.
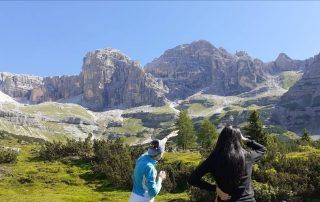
(8, 156)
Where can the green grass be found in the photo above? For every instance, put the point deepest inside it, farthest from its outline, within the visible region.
(57, 109)
(34, 180)
(196, 108)
(166, 109)
(8, 106)
(130, 125)
(305, 153)
(121, 196)
(186, 157)
(289, 78)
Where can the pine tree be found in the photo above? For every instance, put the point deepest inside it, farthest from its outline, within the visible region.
(255, 129)
(207, 135)
(186, 135)
(306, 136)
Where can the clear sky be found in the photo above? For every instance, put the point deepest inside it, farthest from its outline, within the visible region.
(51, 38)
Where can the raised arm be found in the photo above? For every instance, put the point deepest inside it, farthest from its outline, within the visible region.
(196, 180)
(258, 150)
(171, 135)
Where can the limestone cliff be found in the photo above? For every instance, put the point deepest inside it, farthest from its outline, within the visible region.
(108, 79)
(299, 108)
(189, 68)
(112, 79)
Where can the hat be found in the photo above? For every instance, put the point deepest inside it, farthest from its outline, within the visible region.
(156, 147)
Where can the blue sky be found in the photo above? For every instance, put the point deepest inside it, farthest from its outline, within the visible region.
(51, 38)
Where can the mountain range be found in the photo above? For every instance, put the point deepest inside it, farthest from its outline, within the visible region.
(113, 93)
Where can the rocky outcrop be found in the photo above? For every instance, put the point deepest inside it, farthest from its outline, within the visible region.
(188, 68)
(285, 63)
(34, 89)
(299, 108)
(112, 79)
(108, 79)
(57, 87)
(19, 118)
(19, 86)
(199, 66)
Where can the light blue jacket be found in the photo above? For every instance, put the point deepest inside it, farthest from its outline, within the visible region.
(144, 177)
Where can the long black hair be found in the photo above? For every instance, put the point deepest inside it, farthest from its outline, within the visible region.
(229, 157)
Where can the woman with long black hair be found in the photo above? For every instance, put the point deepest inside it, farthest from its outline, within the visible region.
(231, 166)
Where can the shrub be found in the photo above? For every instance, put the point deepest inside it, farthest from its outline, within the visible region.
(113, 160)
(177, 175)
(8, 156)
(51, 151)
(56, 150)
(199, 195)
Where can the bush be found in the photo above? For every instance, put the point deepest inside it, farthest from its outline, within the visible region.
(51, 151)
(8, 156)
(264, 192)
(56, 150)
(113, 160)
(177, 176)
(199, 195)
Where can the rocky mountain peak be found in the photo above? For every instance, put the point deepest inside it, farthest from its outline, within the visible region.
(109, 53)
(193, 67)
(283, 60)
(202, 44)
(110, 79)
(242, 54)
(300, 107)
(283, 56)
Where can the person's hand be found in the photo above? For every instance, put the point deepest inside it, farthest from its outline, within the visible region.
(244, 139)
(223, 196)
(162, 175)
(173, 134)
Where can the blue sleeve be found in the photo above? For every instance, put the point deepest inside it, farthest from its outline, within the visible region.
(153, 186)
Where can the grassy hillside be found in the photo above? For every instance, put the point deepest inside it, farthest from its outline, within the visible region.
(289, 78)
(32, 179)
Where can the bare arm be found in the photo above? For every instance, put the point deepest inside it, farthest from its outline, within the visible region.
(171, 135)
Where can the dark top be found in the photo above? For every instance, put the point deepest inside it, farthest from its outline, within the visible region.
(244, 191)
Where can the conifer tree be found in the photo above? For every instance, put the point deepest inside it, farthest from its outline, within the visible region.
(207, 135)
(186, 136)
(306, 136)
(255, 128)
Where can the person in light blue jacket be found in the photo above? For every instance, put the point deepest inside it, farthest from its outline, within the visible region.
(146, 182)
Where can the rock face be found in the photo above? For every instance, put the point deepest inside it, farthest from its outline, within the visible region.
(112, 79)
(299, 108)
(55, 88)
(19, 86)
(285, 63)
(108, 79)
(189, 68)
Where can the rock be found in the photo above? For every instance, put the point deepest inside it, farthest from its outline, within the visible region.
(19, 85)
(16, 149)
(55, 88)
(19, 118)
(189, 68)
(115, 123)
(111, 79)
(284, 63)
(108, 79)
(299, 108)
